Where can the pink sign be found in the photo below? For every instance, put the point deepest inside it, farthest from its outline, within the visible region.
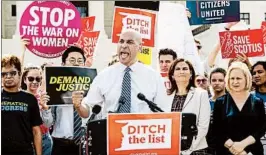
(51, 27)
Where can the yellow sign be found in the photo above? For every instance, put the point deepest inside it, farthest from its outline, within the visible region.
(145, 56)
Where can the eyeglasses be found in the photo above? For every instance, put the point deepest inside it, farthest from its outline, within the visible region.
(201, 80)
(12, 73)
(37, 79)
(74, 61)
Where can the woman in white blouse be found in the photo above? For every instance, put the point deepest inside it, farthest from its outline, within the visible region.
(188, 99)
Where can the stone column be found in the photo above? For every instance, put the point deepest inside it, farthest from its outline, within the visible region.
(21, 6)
(96, 8)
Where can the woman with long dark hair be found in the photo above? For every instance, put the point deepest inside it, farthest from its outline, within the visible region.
(188, 99)
(31, 82)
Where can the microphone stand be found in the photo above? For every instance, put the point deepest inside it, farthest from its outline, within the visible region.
(155, 108)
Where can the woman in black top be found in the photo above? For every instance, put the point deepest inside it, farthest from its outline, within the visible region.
(239, 117)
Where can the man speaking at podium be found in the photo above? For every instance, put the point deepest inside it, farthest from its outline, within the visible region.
(116, 87)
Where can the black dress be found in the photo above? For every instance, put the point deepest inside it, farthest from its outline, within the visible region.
(230, 123)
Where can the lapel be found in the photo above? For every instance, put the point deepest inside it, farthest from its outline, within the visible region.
(189, 96)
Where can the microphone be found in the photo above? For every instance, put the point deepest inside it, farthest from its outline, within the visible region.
(95, 111)
(152, 105)
(121, 102)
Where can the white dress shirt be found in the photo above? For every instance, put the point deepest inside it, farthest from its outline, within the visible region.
(106, 89)
(64, 123)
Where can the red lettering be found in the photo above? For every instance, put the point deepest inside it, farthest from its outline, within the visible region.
(131, 130)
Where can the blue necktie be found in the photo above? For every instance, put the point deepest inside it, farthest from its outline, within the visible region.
(77, 127)
(126, 92)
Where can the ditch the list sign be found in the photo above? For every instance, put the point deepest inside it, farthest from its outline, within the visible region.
(51, 26)
(154, 134)
(136, 19)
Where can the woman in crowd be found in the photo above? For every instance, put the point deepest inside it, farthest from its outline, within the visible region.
(259, 77)
(201, 81)
(186, 98)
(238, 117)
(31, 81)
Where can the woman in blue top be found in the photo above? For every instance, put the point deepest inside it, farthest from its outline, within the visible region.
(239, 117)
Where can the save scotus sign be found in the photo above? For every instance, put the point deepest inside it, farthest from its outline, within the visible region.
(263, 28)
(88, 38)
(51, 26)
(62, 81)
(137, 19)
(249, 42)
(135, 134)
(210, 12)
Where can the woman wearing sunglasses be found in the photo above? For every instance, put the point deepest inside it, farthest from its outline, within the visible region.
(31, 82)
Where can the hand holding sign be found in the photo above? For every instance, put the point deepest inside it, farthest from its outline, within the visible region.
(44, 98)
(24, 43)
(77, 97)
(188, 13)
(230, 25)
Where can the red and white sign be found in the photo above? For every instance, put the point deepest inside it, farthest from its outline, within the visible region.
(87, 23)
(51, 26)
(263, 28)
(167, 82)
(154, 134)
(137, 19)
(249, 42)
(88, 42)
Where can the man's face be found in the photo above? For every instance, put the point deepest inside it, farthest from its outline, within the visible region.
(74, 59)
(128, 47)
(165, 62)
(201, 82)
(259, 75)
(217, 82)
(10, 77)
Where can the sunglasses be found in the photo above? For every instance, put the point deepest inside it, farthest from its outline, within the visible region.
(12, 74)
(201, 80)
(37, 79)
(199, 47)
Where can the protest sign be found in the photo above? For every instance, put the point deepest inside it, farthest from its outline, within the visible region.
(172, 28)
(87, 23)
(263, 28)
(210, 12)
(88, 42)
(137, 19)
(154, 134)
(51, 26)
(62, 81)
(145, 56)
(249, 42)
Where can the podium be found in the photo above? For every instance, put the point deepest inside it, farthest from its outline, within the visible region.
(96, 133)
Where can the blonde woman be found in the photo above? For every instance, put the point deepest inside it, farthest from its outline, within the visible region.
(238, 117)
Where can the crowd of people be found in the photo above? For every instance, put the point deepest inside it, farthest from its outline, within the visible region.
(229, 104)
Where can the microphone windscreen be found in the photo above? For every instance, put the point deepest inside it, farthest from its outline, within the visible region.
(122, 100)
(96, 109)
(141, 96)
